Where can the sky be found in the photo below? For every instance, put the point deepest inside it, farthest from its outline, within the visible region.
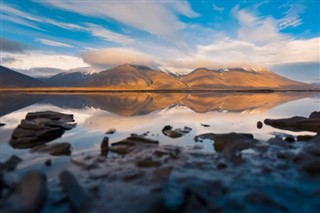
(44, 37)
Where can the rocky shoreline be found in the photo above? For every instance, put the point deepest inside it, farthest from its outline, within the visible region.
(137, 174)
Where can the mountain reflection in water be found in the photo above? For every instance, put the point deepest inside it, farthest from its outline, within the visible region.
(133, 104)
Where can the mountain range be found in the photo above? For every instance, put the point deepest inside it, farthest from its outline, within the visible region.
(137, 77)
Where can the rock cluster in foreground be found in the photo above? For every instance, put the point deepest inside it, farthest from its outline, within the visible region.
(137, 174)
(39, 128)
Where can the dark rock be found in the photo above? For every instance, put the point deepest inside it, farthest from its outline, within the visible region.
(110, 131)
(85, 164)
(304, 137)
(163, 172)
(134, 140)
(1, 124)
(104, 146)
(39, 128)
(142, 139)
(148, 163)
(28, 195)
(259, 124)
(285, 155)
(221, 165)
(175, 133)
(121, 149)
(311, 166)
(260, 198)
(50, 115)
(172, 151)
(315, 115)
(40, 123)
(48, 162)
(231, 144)
(290, 139)
(296, 124)
(201, 137)
(224, 141)
(205, 125)
(54, 149)
(22, 138)
(74, 191)
(10, 164)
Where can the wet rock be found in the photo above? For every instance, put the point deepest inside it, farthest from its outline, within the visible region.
(28, 195)
(40, 128)
(221, 165)
(148, 163)
(48, 162)
(104, 146)
(50, 115)
(296, 123)
(171, 151)
(205, 125)
(134, 140)
(201, 137)
(231, 144)
(315, 115)
(290, 139)
(40, 123)
(54, 149)
(175, 133)
(121, 149)
(1, 124)
(259, 124)
(163, 172)
(142, 139)
(311, 166)
(304, 137)
(76, 194)
(313, 147)
(10, 164)
(110, 131)
(285, 155)
(85, 164)
(263, 199)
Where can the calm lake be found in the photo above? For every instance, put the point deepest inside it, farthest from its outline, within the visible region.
(148, 113)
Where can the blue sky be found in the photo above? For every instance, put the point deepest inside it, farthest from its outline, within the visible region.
(42, 37)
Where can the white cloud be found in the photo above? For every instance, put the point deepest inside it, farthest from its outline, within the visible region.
(257, 29)
(217, 8)
(156, 17)
(43, 59)
(292, 16)
(108, 35)
(53, 43)
(116, 56)
(258, 43)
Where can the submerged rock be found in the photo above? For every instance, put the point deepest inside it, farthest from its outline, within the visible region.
(231, 144)
(54, 149)
(10, 164)
(204, 136)
(28, 195)
(40, 128)
(76, 194)
(175, 133)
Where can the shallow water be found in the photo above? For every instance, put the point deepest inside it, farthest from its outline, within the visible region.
(149, 113)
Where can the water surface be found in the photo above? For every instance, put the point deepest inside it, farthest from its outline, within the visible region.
(149, 113)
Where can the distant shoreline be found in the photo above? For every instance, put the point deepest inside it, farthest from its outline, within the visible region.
(102, 90)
